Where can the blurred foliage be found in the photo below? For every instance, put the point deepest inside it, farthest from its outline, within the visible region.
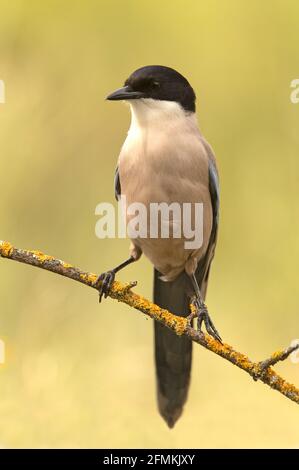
(66, 382)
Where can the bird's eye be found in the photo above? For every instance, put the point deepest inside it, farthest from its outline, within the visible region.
(156, 84)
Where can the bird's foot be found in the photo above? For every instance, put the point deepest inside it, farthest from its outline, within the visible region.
(104, 283)
(201, 312)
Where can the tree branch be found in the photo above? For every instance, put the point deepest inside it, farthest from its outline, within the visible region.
(181, 326)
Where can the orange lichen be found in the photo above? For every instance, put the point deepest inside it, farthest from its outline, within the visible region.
(278, 383)
(42, 258)
(192, 309)
(6, 249)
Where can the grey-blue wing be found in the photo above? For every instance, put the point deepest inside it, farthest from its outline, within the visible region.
(117, 187)
(203, 268)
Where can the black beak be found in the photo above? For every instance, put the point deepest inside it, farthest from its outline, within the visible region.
(125, 93)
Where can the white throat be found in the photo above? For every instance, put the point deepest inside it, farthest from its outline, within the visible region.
(156, 126)
(148, 112)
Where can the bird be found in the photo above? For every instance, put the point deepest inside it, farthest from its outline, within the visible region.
(165, 158)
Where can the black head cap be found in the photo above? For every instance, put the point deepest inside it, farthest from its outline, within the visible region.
(159, 83)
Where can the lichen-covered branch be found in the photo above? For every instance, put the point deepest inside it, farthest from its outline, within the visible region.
(277, 357)
(122, 292)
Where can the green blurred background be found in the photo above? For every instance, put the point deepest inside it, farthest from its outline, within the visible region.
(66, 381)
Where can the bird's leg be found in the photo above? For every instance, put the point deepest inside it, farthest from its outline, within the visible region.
(105, 280)
(202, 312)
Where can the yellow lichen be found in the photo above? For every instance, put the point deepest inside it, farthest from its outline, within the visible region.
(66, 265)
(6, 249)
(277, 355)
(89, 278)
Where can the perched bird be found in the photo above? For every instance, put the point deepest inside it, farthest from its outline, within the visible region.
(165, 158)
